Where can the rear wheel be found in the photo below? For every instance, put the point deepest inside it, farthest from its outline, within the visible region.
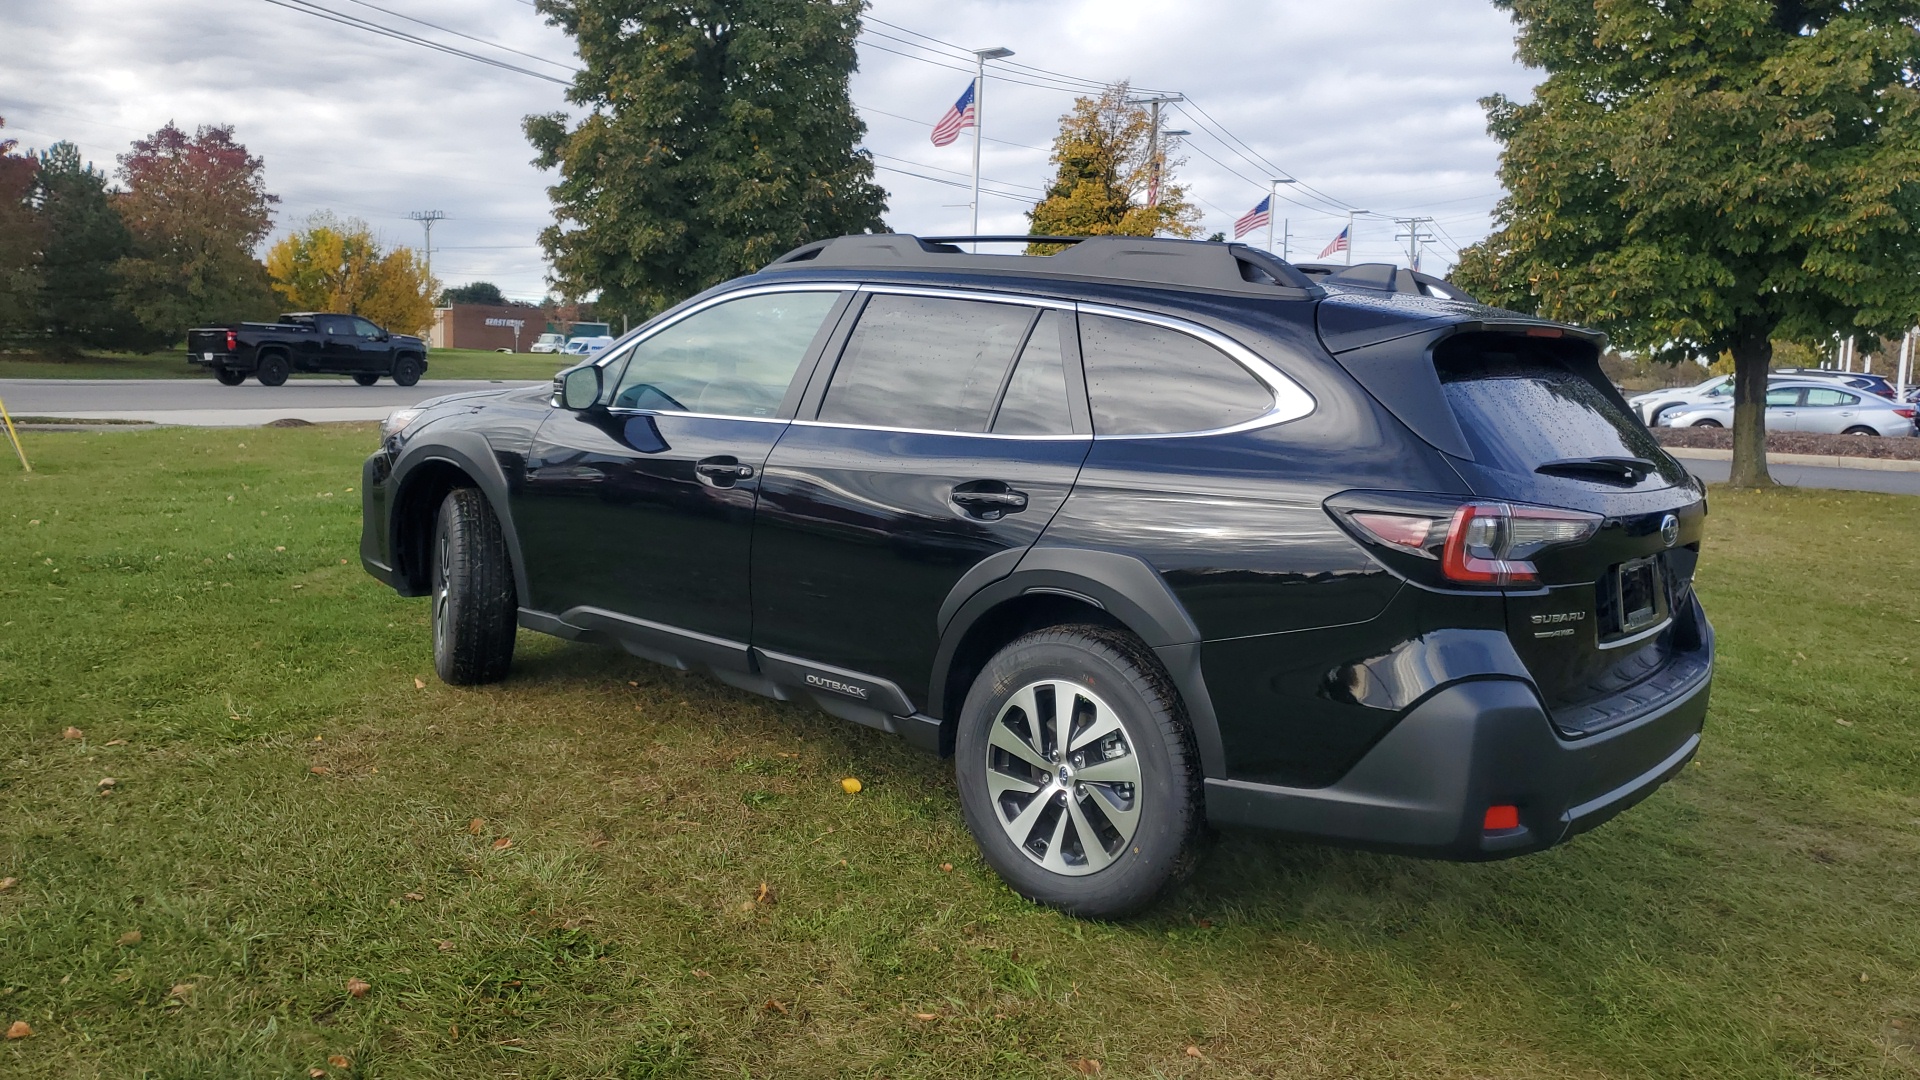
(1077, 771)
(1707, 423)
(229, 377)
(473, 595)
(1860, 430)
(272, 370)
(406, 371)
(366, 378)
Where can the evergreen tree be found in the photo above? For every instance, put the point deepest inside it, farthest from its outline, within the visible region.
(719, 135)
(1698, 177)
(1104, 166)
(197, 207)
(478, 292)
(85, 238)
(20, 242)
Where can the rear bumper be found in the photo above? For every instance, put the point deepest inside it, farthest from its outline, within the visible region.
(1425, 787)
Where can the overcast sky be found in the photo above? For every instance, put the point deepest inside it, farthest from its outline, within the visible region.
(1369, 103)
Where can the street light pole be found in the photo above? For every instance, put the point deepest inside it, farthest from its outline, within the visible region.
(980, 58)
(1273, 207)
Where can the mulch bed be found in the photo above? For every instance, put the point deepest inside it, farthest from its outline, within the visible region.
(1796, 442)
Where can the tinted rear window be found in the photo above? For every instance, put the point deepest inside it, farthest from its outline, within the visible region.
(1144, 379)
(1523, 404)
(925, 362)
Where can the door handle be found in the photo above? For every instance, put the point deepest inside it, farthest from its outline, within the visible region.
(989, 500)
(722, 471)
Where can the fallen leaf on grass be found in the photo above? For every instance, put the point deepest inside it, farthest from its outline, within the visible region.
(850, 785)
(107, 782)
(946, 868)
(19, 1029)
(180, 990)
(358, 987)
(419, 683)
(1194, 1052)
(317, 1074)
(1863, 976)
(339, 1061)
(774, 1006)
(8, 883)
(73, 733)
(131, 937)
(502, 843)
(764, 895)
(1843, 723)
(926, 1016)
(476, 826)
(415, 896)
(116, 742)
(1086, 1067)
(320, 770)
(445, 946)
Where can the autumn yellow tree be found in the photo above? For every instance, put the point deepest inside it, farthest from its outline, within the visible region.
(1103, 159)
(338, 265)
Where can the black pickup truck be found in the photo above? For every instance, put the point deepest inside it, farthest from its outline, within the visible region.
(307, 341)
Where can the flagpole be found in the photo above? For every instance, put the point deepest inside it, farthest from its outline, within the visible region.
(980, 58)
(1272, 189)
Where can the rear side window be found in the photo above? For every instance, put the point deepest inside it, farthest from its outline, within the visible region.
(1786, 395)
(1144, 379)
(1823, 396)
(1522, 404)
(733, 359)
(1035, 402)
(925, 362)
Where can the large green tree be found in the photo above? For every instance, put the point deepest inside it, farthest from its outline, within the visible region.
(197, 206)
(719, 134)
(1104, 161)
(1702, 176)
(85, 238)
(21, 237)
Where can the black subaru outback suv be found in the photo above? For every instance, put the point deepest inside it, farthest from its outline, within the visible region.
(1145, 535)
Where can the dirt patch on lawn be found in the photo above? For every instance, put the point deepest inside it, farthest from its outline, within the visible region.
(1797, 442)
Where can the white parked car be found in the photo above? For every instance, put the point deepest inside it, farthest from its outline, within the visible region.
(1813, 405)
(1649, 407)
(587, 346)
(550, 343)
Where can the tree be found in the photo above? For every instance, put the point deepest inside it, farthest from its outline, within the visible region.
(86, 238)
(21, 234)
(719, 135)
(196, 207)
(1703, 177)
(338, 265)
(478, 292)
(1103, 166)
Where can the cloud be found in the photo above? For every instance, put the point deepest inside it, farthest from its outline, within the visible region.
(1371, 102)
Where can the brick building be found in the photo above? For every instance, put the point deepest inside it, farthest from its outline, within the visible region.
(487, 326)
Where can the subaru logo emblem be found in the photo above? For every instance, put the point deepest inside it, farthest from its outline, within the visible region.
(1670, 530)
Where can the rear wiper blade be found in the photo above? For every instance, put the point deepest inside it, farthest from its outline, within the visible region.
(1626, 469)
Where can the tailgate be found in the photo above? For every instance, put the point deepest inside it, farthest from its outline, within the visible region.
(202, 343)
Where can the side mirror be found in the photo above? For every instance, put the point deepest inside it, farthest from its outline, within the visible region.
(580, 388)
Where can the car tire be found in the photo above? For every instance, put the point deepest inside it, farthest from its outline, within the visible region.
(366, 378)
(474, 611)
(406, 371)
(229, 377)
(1143, 814)
(1706, 423)
(272, 370)
(1859, 429)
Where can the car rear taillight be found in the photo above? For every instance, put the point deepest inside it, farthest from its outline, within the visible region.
(1478, 543)
(1905, 414)
(233, 342)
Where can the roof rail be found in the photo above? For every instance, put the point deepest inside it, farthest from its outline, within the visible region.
(1384, 277)
(1183, 264)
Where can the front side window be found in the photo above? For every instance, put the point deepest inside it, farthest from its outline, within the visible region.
(1144, 379)
(925, 362)
(733, 359)
(364, 328)
(1822, 396)
(1786, 395)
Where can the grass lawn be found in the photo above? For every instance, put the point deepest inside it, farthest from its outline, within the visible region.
(172, 364)
(562, 876)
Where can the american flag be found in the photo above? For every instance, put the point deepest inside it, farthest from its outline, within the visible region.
(958, 119)
(1339, 244)
(1261, 214)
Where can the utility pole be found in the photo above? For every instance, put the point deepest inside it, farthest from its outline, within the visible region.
(1153, 142)
(980, 58)
(1415, 238)
(426, 218)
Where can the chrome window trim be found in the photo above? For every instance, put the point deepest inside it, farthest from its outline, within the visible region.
(931, 431)
(1636, 638)
(1290, 400)
(969, 294)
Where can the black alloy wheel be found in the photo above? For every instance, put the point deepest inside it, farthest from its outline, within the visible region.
(229, 377)
(406, 371)
(1078, 773)
(366, 378)
(273, 370)
(474, 612)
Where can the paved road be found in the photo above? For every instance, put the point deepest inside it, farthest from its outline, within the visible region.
(206, 403)
(1897, 483)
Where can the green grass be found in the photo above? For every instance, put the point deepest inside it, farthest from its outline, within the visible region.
(284, 791)
(172, 364)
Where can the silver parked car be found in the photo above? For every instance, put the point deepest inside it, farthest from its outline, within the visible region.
(1811, 405)
(1651, 406)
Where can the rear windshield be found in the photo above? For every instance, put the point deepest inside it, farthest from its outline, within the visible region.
(1523, 403)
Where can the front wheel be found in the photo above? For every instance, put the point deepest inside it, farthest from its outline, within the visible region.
(1707, 423)
(229, 377)
(1077, 771)
(366, 378)
(406, 371)
(474, 610)
(273, 370)
(1860, 430)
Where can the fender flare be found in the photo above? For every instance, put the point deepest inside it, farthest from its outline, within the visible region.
(1124, 586)
(469, 452)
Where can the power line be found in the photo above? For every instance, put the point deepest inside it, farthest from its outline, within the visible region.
(310, 8)
(469, 37)
(925, 124)
(956, 172)
(954, 183)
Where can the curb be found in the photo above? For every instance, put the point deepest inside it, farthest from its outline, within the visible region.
(1824, 461)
